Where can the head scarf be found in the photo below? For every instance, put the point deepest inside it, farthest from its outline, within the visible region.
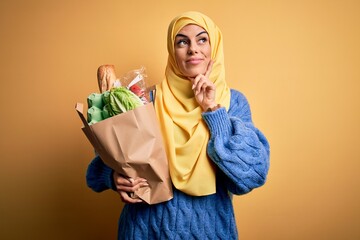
(184, 132)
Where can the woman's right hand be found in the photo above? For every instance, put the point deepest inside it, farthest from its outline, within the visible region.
(126, 186)
(204, 89)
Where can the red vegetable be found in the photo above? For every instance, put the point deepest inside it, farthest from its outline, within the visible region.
(137, 90)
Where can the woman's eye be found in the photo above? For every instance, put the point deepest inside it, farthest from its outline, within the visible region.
(182, 42)
(203, 40)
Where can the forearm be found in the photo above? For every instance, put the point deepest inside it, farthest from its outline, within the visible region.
(99, 176)
(239, 150)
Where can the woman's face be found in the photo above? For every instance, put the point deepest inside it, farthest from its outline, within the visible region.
(192, 50)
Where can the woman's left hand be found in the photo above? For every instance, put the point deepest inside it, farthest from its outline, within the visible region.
(204, 89)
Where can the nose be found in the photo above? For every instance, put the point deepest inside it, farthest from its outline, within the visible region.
(193, 48)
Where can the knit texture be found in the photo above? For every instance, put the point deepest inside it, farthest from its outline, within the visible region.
(240, 152)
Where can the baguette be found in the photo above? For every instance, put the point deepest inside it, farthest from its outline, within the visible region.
(106, 77)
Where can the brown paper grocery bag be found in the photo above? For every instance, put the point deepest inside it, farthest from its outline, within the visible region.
(131, 144)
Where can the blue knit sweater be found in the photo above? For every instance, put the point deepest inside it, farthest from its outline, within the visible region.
(240, 152)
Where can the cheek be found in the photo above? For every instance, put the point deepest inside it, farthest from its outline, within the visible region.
(179, 58)
(208, 51)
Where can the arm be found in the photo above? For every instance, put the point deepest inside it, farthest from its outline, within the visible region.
(99, 177)
(237, 147)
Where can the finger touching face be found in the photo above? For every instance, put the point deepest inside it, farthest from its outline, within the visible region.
(192, 50)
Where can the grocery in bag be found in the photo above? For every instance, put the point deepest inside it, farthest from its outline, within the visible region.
(124, 131)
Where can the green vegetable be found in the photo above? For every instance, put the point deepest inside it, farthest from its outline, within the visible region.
(110, 103)
(119, 100)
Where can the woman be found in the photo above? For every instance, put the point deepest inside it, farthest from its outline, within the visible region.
(214, 150)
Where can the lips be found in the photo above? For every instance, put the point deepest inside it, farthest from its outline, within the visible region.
(194, 60)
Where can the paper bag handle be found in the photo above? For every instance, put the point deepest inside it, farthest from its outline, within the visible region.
(79, 108)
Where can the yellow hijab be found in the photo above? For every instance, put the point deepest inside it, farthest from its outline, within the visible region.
(185, 133)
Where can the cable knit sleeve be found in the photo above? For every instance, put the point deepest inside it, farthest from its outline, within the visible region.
(237, 147)
(99, 176)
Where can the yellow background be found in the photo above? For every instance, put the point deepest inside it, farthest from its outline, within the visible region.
(296, 61)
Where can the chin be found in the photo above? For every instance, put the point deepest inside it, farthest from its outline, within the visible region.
(194, 72)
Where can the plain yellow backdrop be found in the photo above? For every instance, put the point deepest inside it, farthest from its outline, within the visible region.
(296, 61)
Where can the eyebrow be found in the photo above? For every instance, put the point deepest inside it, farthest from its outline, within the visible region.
(182, 35)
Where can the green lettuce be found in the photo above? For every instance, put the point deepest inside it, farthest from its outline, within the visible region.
(110, 103)
(119, 100)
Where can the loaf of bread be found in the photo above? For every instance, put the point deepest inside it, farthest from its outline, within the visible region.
(106, 77)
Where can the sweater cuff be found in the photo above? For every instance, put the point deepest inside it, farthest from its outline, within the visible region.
(218, 121)
(107, 178)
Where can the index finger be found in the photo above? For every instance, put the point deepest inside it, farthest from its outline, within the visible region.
(209, 68)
